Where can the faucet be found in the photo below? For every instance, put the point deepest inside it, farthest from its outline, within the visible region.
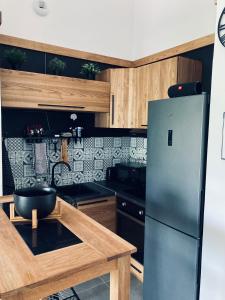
(53, 171)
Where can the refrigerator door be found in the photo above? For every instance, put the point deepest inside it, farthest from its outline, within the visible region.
(170, 263)
(176, 162)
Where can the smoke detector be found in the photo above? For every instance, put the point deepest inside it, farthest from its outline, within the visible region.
(40, 7)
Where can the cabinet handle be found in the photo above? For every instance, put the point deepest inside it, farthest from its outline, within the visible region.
(141, 212)
(56, 105)
(113, 109)
(124, 204)
(91, 203)
(144, 125)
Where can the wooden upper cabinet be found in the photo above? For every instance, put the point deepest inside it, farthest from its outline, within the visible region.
(122, 99)
(41, 91)
(153, 81)
(132, 88)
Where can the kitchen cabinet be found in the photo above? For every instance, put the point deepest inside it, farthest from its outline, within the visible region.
(102, 210)
(153, 81)
(122, 113)
(132, 88)
(41, 91)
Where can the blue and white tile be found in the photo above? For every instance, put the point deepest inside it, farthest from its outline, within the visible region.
(117, 142)
(98, 164)
(15, 144)
(28, 158)
(108, 142)
(88, 165)
(88, 154)
(88, 176)
(54, 156)
(29, 170)
(78, 166)
(117, 153)
(89, 142)
(107, 153)
(133, 142)
(145, 143)
(126, 141)
(78, 177)
(98, 153)
(98, 142)
(79, 144)
(29, 182)
(98, 175)
(78, 154)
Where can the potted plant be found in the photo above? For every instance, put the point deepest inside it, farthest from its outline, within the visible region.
(56, 66)
(15, 57)
(89, 70)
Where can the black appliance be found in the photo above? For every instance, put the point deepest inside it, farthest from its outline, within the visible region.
(177, 143)
(131, 180)
(132, 175)
(131, 225)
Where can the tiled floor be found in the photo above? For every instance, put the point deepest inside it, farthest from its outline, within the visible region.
(98, 289)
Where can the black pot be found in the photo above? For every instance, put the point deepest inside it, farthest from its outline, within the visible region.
(41, 198)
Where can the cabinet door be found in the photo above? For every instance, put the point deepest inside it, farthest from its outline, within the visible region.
(152, 84)
(122, 109)
(122, 99)
(101, 210)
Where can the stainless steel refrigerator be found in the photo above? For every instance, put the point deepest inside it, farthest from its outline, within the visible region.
(177, 143)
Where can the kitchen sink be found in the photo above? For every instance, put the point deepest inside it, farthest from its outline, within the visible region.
(75, 191)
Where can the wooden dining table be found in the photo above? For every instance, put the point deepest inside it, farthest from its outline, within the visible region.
(24, 275)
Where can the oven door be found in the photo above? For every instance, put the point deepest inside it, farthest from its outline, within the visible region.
(131, 230)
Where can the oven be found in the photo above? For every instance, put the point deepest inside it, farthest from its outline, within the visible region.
(130, 225)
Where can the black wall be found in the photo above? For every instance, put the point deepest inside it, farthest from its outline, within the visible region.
(205, 55)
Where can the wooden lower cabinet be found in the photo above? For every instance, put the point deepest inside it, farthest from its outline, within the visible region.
(102, 210)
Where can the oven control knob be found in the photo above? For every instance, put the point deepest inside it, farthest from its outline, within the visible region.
(141, 212)
(124, 204)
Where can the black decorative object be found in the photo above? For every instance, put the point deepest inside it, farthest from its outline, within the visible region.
(15, 57)
(41, 198)
(221, 28)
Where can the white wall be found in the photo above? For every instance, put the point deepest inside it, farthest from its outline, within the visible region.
(99, 26)
(213, 261)
(127, 29)
(160, 25)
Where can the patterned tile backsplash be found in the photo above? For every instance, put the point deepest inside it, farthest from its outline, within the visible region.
(88, 159)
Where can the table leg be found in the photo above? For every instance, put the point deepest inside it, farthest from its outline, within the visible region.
(120, 280)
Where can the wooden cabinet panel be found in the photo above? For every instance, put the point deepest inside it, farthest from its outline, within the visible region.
(101, 210)
(152, 84)
(122, 113)
(154, 80)
(131, 89)
(40, 91)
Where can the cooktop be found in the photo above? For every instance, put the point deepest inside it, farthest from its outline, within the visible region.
(50, 235)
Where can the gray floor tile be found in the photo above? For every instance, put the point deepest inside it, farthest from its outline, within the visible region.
(100, 292)
(88, 285)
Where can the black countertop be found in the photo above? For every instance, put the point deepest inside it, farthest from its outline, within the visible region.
(120, 190)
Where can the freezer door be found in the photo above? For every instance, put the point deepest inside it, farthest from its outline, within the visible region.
(176, 162)
(170, 263)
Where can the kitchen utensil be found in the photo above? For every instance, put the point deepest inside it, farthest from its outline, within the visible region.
(64, 150)
(43, 199)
